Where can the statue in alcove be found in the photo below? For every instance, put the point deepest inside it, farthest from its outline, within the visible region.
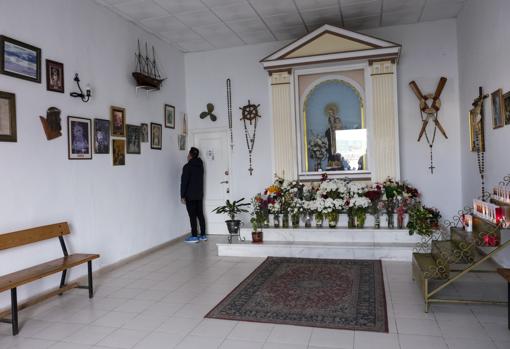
(334, 124)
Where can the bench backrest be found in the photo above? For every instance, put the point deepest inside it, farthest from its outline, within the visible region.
(28, 236)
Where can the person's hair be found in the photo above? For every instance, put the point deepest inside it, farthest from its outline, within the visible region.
(193, 152)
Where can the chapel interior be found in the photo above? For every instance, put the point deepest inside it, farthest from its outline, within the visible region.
(356, 186)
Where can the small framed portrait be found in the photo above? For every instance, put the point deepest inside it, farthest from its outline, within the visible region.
(101, 136)
(54, 76)
(8, 117)
(118, 121)
(156, 135)
(169, 116)
(79, 138)
(476, 131)
(133, 139)
(506, 100)
(144, 133)
(20, 60)
(181, 139)
(498, 109)
(119, 152)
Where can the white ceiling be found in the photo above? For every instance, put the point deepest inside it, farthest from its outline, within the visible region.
(199, 25)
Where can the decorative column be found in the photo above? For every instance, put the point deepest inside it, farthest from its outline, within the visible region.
(385, 150)
(285, 155)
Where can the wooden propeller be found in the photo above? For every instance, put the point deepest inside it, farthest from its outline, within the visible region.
(439, 90)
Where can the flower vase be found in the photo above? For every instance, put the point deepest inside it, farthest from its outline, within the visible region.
(400, 218)
(276, 220)
(351, 220)
(285, 220)
(308, 220)
(295, 220)
(377, 220)
(319, 219)
(361, 216)
(391, 219)
(332, 219)
(266, 221)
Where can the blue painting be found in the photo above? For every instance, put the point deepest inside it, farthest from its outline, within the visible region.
(20, 60)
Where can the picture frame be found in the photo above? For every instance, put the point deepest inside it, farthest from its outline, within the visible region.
(20, 60)
(498, 109)
(156, 136)
(119, 152)
(118, 121)
(8, 131)
(79, 138)
(144, 133)
(169, 112)
(54, 76)
(133, 145)
(506, 103)
(181, 141)
(101, 136)
(473, 124)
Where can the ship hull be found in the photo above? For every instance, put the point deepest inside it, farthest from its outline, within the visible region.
(144, 80)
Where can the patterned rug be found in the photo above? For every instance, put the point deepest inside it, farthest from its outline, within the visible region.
(328, 293)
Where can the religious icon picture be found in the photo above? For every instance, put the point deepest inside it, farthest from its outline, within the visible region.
(181, 140)
(20, 60)
(169, 116)
(506, 100)
(156, 135)
(498, 109)
(144, 133)
(119, 152)
(101, 136)
(7, 117)
(118, 119)
(79, 138)
(133, 139)
(54, 76)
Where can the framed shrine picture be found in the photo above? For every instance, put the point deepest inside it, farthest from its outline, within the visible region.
(506, 102)
(101, 136)
(54, 76)
(498, 109)
(119, 152)
(144, 133)
(20, 60)
(156, 135)
(169, 116)
(79, 138)
(133, 139)
(7, 117)
(118, 121)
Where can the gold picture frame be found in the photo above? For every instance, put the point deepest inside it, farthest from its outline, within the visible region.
(8, 131)
(498, 109)
(118, 121)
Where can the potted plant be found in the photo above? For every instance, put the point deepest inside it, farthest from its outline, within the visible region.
(232, 209)
(256, 233)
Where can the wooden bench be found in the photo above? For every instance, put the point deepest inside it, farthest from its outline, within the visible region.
(505, 273)
(13, 280)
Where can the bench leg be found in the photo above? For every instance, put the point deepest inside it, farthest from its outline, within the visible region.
(14, 311)
(90, 284)
(63, 280)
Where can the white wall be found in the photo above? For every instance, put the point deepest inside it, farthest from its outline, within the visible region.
(114, 211)
(429, 51)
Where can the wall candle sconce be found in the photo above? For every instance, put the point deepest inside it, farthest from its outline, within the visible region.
(84, 97)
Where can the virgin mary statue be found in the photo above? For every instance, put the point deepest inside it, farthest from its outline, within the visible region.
(334, 124)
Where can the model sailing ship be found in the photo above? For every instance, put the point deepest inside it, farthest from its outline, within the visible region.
(146, 72)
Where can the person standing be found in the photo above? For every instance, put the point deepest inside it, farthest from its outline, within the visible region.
(192, 194)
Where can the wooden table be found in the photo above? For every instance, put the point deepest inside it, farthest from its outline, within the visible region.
(505, 273)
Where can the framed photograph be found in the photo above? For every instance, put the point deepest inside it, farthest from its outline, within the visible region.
(169, 116)
(133, 139)
(54, 76)
(476, 129)
(144, 133)
(156, 134)
(79, 138)
(8, 117)
(498, 109)
(506, 100)
(101, 136)
(20, 60)
(119, 152)
(181, 139)
(118, 119)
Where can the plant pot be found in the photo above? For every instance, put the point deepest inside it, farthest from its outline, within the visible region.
(285, 220)
(257, 237)
(295, 220)
(360, 219)
(319, 219)
(233, 227)
(332, 219)
(351, 219)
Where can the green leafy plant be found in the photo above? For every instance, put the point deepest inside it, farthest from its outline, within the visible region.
(232, 208)
(423, 220)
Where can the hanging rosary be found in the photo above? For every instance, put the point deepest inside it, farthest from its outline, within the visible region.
(250, 113)
(430, 143)
(229, 112)
(478, 113)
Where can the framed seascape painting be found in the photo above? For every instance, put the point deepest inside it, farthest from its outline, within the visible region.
(498, 109)
(506, 100)
(20, 60)
(119, 152)
(101, 136)
(79, 138)
(7, 117)
(144, 133)
(118, 119)
(133, 139)
(156, 135)
(54, 76)
(169, 116)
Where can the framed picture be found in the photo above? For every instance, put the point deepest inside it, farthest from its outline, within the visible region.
(476, 128)
(498, 109)
(20, 60)
(54, 76)
(133, 139)
(119, 152)
(79, 138)
(144, 133)
(8, 117)
(101, 136)
(156, 134)
(181, 139)
(506, 100)
(118, 119)
(169, 116)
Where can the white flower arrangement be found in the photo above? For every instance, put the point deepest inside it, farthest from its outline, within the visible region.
(359, 202)
(318, 147)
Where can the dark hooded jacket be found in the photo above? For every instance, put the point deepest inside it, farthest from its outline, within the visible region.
(192, 180)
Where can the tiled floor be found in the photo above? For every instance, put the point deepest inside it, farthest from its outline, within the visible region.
(160, 301)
